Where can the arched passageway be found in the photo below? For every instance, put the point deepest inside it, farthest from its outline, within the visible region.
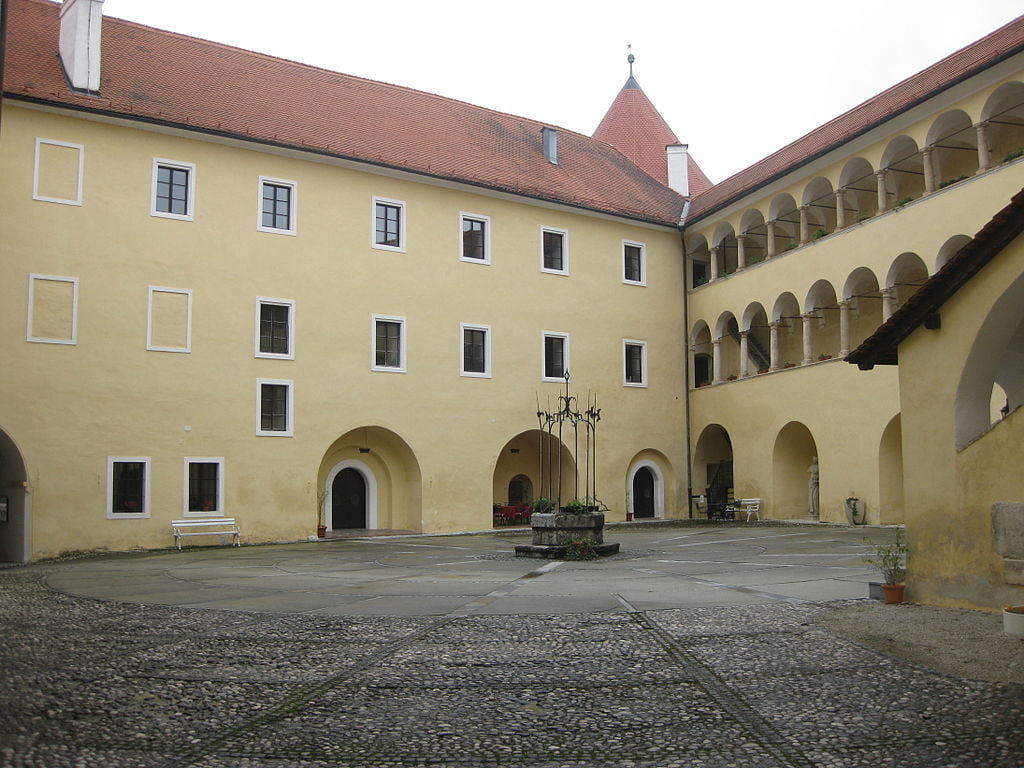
(792, 458)
(15, 516)
(890, 474)
(713, 467)
(370, 478)
(996, 359)
(648, 484)
(530, 465)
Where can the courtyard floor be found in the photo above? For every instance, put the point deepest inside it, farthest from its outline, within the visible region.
(696, 646)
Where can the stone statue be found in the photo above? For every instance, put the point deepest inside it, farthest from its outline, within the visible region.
(812, 488)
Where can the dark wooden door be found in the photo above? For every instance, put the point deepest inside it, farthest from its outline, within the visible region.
(643, 493)
(348, 500)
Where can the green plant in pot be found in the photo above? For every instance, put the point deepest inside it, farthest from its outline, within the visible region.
(542, 506)
(575, 507)
(891, 560)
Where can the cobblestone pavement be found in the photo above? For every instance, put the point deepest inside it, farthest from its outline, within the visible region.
(89, 683)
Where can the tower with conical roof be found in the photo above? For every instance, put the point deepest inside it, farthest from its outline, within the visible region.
(634, 127)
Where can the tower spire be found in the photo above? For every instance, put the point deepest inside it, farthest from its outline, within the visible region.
(630, 58)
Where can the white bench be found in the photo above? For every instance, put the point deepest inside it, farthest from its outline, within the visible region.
(206, 526)
(751, 506)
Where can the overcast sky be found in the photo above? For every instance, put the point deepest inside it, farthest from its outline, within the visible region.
(736, 80)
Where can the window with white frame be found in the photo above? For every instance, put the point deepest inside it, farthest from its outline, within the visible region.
(52, 309)
(274, 407)
(476, 350)
(554, 251)
(555, 356)
(389, 343)
(634, 263)
(127, 486)
(634, 363)
(388, 224)
(169, 319)
(173, 189)
(475, 238)
(275, 328)
(277, 205)
(204, 486)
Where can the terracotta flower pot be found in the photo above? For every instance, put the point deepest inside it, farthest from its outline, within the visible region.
(893, 593)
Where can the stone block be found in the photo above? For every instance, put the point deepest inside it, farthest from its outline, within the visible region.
(1008, 529)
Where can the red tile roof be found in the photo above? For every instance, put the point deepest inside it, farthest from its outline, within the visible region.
(992, 48)
(156, 76)
(881, 347)
(635, 127)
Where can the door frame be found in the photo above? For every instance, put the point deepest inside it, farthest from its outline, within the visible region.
(371, 492)
(659, 488)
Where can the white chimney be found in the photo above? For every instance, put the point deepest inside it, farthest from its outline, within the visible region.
(677, 157)
(550, 138)
(80, 23)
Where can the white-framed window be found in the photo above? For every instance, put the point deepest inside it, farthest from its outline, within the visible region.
(275, 407)
(58, 171)
(475, 238)
(388, 224)
(554, 355)
(277, 205)
(173, 189)
(127, 486)
(275, 328)
(634, 263)
(388, 344)
(554, 251)
(52, 309)
(634, 359)
(169, 319)
(204, 486)
(476, 350)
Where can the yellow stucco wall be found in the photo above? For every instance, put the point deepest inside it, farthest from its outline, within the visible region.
(435, 435)
(950, 491)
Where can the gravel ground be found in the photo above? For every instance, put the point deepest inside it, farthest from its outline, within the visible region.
(968, 644)
(86, 683)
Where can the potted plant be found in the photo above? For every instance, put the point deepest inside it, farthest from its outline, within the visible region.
(824, 356)
(542, 506)
(575, 507)
(891, 560)
(1013, 620)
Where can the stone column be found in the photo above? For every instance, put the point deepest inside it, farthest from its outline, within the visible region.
(808, 346)
(929, 169)
(888, 303)
(770, 245)
(844, 327)
(716, 361)
(804, 226)
(840, 208)
(773, 345)
(883, 195)
(741, 252)
(744, 350)
(714, 262)
(983, 153)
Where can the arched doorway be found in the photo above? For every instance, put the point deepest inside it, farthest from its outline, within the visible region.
(348, 500)
(795, 450)
(643, 493)
(390, 471)
(520, 490)
(713, 468)
(14, 504)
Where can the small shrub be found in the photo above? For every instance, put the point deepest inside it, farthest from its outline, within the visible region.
(820, 233)
(790, 247)
(903, 201)
(947, 182)
(862, 216)
(1013, 154)
(824, 356)
(575, 507)
(890, 559)
(762, 370)
(580, 549)
(542, 506)
(789, 365)
(731, 377)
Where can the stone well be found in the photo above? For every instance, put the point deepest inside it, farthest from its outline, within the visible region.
(552, 532)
